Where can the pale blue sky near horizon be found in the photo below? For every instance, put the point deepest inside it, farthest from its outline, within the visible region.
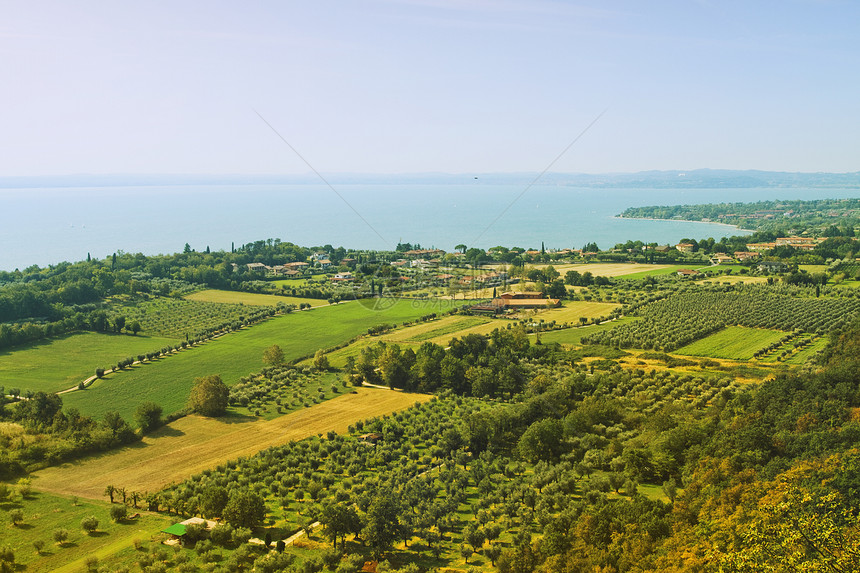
(405, 86)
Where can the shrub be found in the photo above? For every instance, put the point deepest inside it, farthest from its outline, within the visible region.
(16, 516)
(221, 535)
(60, 536)
(89, 524)
(7, 559)
(118, 512)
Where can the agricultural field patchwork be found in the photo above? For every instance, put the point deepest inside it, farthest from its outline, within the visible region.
(194, 443)
(685, 317)
(167, 380)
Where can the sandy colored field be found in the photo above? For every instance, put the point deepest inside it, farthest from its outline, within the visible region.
(607, 269)
(250, 298)
(734, 279)
(192, 444)
(572, 311)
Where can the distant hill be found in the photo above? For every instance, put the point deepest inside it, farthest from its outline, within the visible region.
(695, 179)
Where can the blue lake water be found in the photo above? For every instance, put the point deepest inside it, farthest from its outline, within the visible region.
(48, 225)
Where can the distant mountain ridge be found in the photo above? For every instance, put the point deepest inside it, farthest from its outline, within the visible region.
(676, 179)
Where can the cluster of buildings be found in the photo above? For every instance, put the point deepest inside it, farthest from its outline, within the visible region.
(800, 243)
(287, 270)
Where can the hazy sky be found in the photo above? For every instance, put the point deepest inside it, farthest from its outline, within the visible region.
(458, 86)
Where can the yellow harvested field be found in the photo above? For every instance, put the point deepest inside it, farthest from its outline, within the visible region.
(572, 311)
(194, 443)
(607, 269)
(735, 279)
(250, 298)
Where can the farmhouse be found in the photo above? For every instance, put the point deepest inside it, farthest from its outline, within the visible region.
(258, 267)
(177, 530)
(324, 263)
(424, 253)
(760, 246)
(772, 266)
(423, 264)
(370, 438)
(534, 294)
(687, 273)
(685, 247)
(721, 258)
(801, 243)
(342, 277)
(523, 301)
(744, 256)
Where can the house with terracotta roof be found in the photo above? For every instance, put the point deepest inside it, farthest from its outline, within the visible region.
(760, 246)
(721, 259)
(524, 295)
(744, 256)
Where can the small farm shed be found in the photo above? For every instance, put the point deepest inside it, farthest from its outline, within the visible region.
(176, 532)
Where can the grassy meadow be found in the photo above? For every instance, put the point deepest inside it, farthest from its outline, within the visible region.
(733, 343)
(57, 364)
(168, 380)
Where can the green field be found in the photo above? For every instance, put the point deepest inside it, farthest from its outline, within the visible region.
(43, 513)
(60, 363)
(168, 380)
(574, 336)
(449, 328)
(291, 283)
(733, 343)
(808, 352)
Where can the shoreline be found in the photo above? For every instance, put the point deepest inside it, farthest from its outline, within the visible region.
(683, 221)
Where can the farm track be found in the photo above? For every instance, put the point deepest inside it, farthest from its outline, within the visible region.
(193, 444)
